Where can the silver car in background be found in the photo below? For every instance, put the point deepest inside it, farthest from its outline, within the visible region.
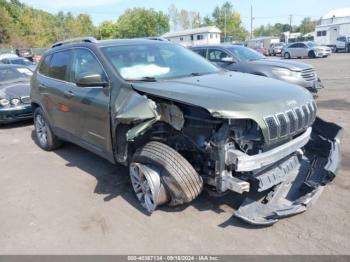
(305, 49)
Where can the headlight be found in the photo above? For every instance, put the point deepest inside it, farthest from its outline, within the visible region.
(318, 50)
(4, 102)
(15, 101)
(282, 72)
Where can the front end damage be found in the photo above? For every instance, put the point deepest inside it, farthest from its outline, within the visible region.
(277, 180)
(297, 182)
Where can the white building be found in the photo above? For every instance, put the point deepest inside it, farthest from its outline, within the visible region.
(194, 37)
(334, 24)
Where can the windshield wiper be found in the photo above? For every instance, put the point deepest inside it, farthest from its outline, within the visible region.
(145, 79)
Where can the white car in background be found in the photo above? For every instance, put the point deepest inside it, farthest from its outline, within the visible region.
(343, 43)
(305, 49)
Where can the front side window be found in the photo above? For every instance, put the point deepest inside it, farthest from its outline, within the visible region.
(216, 55)
(159, 61)
(84, 62)
(59, 65)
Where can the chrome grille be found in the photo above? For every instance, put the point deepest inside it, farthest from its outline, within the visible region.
(293, 125)
(283, 124)
(273, 127)
(25, 100)
(289, 122)
(309, 74)
(300, 120)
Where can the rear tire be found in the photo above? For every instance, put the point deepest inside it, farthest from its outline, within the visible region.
(44, 135)
(181, 181)
(286, 55)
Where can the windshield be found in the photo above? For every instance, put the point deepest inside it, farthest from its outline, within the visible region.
(14, 74)
(311, 44)
(245, 54)
(21, 62)
(156, 61)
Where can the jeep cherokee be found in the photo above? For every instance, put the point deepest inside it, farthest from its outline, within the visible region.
(180, 123)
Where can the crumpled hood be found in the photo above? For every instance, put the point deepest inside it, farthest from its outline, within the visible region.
(14, 89)
(231, 94)
(291, 65)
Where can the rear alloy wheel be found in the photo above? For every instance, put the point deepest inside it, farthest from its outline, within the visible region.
(46, 139)
(286, 55)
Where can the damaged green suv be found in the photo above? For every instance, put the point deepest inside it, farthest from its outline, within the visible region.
(182, 124)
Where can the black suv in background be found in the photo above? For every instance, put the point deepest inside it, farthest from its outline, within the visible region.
(246, 60)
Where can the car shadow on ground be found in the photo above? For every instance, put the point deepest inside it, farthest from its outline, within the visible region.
(16, 124)
(113, 181)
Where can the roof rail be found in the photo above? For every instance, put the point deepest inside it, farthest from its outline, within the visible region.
(87, 39)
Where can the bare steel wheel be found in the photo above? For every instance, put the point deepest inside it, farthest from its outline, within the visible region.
(148, 187)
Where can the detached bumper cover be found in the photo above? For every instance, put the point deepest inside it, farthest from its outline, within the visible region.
(302, 182)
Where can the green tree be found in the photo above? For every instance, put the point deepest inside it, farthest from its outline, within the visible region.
(107, 30)
(307, 25)
(226, 15)
(140, 22)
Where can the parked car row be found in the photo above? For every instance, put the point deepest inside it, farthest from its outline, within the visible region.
(246, 60)
(182, 123)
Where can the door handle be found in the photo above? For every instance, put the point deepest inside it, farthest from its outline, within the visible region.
(42, 86)
(68, 94)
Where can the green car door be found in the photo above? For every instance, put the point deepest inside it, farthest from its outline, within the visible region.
(89, 105)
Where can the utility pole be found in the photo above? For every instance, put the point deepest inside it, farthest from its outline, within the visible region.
(290, 22)
(251, 22)
(225, 22)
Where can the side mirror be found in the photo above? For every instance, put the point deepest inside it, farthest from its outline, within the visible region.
(89, 79)
(227, 60)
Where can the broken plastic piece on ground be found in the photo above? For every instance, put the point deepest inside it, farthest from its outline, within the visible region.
(304, 183)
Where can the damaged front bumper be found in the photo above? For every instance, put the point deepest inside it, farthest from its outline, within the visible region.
(293, 184)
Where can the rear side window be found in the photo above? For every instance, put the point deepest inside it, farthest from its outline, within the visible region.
(59, 65)
(44, 66)
(201, 52)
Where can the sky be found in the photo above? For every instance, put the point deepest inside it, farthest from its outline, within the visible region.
(264, 11)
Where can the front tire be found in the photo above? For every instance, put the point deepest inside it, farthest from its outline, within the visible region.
(44, 135)
(312, 54)
(286, 55)
(180, 180)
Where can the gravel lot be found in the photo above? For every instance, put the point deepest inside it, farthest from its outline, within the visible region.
(73, 202)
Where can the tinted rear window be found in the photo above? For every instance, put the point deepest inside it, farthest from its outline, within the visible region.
(202, 52)
(44, 66)
(59, 65)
